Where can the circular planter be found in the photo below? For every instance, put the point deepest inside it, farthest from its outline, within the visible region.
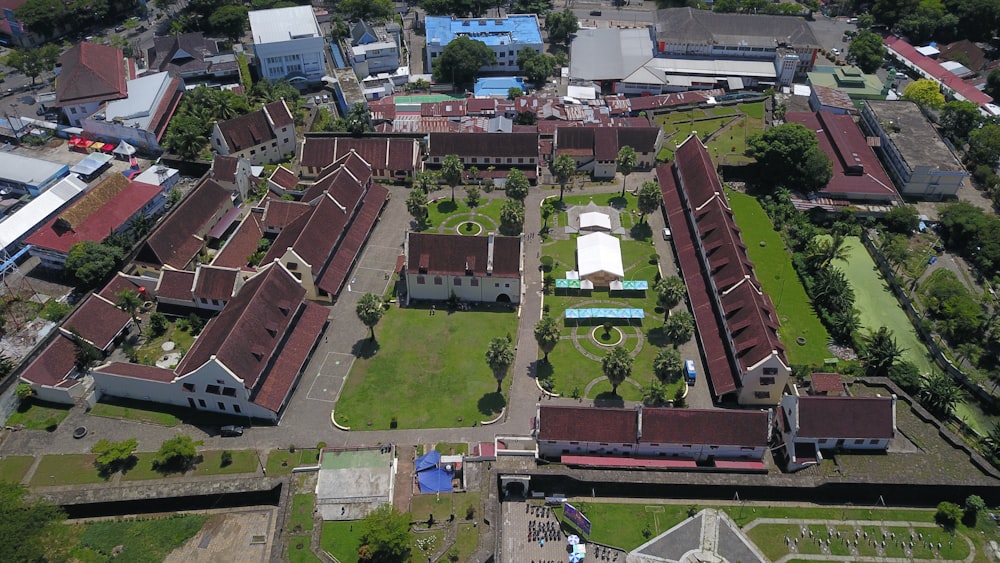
(80, 432)
(462, 229)
(611, 342)
(801, 341)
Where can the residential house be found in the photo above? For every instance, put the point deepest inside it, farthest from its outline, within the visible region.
(504, 36)
(808, 425)
(479, 269)
(288, 44)
(234, 174)
(858, 175)
(140, 118)
(23, 175)
(265, 136)
(502, 151)
(13, 32)
(372, 50)
(737, 325)
(918, 160)
(247, 360)
(827, 384)
(91, 75)
(193, 58)
(700, 435)
(595, 149)
(391, 158)
(113, 206)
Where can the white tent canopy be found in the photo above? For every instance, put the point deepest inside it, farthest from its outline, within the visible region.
(599, 253)
(595, 221)
(124, 149)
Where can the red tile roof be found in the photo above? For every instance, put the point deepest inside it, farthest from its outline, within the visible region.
(277, 385)
(56, 361)
(176, 241)
(391, 154)
(165, 110)
(857, 172)
(175, 284)
(710, 426)
(91, 73)
(224, 168)
(243, 243)
(98, 321)
(284, 178)
(587, 424)
(480, 105)
(138, 371)
(117, 284)
(347, 254)
(934, 69)
(279, 113)
(248, 332)
(481, 144)
(605, 144)
(454, 255)
(101, 219)
(846, 417)
(246, 131)
(280, 213)
(215, 283)
(826, 384)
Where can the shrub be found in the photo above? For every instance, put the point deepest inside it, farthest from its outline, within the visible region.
(947, 514)
(320, 445)
(227, 458)
(157, 324)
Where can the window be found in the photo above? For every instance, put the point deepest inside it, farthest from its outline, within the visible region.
(438, 280)
(858, 442)
(474, 282)
(520, 161)
(604, 443)
(274, 145)
(770, 371)
(762, 394)
(474, 159)
(237, 409)
(201, 403)
(767, 381)
(420, 280)
(253, 152)
(872, 442)
(285, 140)
(293, 266)
(229, 391)
(188, 387)
(72, 110)
(457, 282)
(574, 443)
(215, 302)
(509, 160)
(213, 389)
(222, 406)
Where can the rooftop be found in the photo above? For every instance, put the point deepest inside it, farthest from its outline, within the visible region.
(609, 53)
(458, 255)
(933, 68)
(708, 426)
(513, 29)
(14, 228)
(91, 73)
(30, 171)
(139, 108)
(702, 27)
(849, 79)
(283, 24)
(913, 135)
(846, 417)
(602, 424)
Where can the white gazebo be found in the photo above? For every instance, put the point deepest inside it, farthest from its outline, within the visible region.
(599, 259)
(595, 221)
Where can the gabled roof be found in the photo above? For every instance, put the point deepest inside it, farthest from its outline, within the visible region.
(248, 331)
(752, 324)
(280, 213)
(224, 168)
(274, 391)
(117, 284)
(590, 424)
(97, 321)
(359, 30)
(137, 371)
(279, 113)
(56, 361)
(284, 178)
(243, 243)
(212, 282)
(826, 384)
(846, 417)
(346, 178)
(932, 68)
(479, 144)
(189, 54)
(456, 255)
(175, 284)
(349, 249)
(247, 131)
(178, 238)
(720, 427)
(91, 73)
(394, 154)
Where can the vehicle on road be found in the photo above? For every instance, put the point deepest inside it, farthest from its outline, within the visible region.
(689, 372)
(595, 12)
(666, 234)
(231, 431)
(835, 51)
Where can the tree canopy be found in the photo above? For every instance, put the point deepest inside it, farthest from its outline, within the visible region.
(511, 217)
(461, 59)
(111, 455)
(370, 310)
(791, 157)
(416, 205)
(33, 62)
(879, 352)
(547, 335)
(669, 292)
(649, 198)
(368, 10)
(452, 172)
(91, 262)
(667, 365)
(563, 167)
(499, 357)
(867, 51)
(26, 524)
(561, 25)
(385, 534)
(617, 367)
(924, 92)
(176, 453)
(626, 162)
(537, 67)
(516, 186)
(959, 119)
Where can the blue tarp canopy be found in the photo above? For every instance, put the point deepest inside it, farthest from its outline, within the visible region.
(436, 480)
(605, 313)
(430, 460)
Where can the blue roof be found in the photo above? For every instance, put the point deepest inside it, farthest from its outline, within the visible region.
(492, 31)
(497, 86)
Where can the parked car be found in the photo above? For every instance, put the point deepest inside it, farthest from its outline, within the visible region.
(666, 234)
(835, 51)
(689, 372)
(231, 431)
(595, 12)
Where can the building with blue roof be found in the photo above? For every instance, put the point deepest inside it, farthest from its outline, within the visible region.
(497, 86)
(505, 36)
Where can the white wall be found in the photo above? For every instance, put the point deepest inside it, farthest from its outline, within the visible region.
(487, 290)
(752, 383)
(78, 112)
(305, 55)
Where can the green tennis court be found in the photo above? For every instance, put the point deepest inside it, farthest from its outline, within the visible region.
(353, 459)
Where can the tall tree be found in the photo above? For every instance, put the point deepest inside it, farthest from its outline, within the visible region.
(561, 25)
(537, 67)
(368, 10)
(33, 62)
(791, 157)
(425, 181)
(385, 534)
(416, 205)
(679, 327)
(563, 167)
(511, 217)
(669, 292)
(359, 119)
(867, 51)
(984, 145)
(667, 365)
(91, 262)
(229, 21)
(547, 335)
(959, 119)
(112, 455)
(129, 301)
(940, 394)
(649, 198)
(617, 367)
(461, 59)
(924, 92)
(370, 310)
(500, 356)
(452, 172)
(879, 352)
(993, 84)
(627, 161)
(176, 453)
(516, 186)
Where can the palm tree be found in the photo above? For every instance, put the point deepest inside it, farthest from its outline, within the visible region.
(500, 356)
(823, 250)
(547, 335)
(617, 367)
(669, 292)
(425, 181)
(358, 119)
(452, 170)
(679, 327)
(650, 198)
(370, 310)
(940, 394)
(667, 364)
(129, 301)
(627, 161)
(845, 324)
(564, 167)
(879, 352)
(416, 204)
(140, 226)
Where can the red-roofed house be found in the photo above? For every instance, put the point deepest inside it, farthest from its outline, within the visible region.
(736, 322)
(503, 151)
(595, 149)
(91, 75)
(99, 321)
(926, 67)
(53, 373)
(809, 425)
(232, 173)
(141, 117)
(827, 384)
(392, 159)
(247, 360)
(265, 136)
(106, 209)
(485, 268)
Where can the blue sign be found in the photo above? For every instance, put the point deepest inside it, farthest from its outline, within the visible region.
(577, 518)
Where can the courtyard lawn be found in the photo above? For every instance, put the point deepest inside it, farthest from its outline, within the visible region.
(244, 461)
(426, 371)
(627, 526)
(66, 469)
(281, 462)
(779, 280)
(144, 540)
(878, 306)
(38, 415)
(13, 468)
(299, 550)
(342, 539)
(770, 539)
(442, 505)
(451, 215)
(137, 411)
(302, 512)
(152, 349)
(723, 129)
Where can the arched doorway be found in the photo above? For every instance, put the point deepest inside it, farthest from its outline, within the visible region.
(514, 489)
(503, 298)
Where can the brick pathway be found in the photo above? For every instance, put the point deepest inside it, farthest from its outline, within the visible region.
(404, 477)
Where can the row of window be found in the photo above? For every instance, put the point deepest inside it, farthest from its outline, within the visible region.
(438, 280)
(496, 160)
(211, 389)
(743, 448)
(221, 405)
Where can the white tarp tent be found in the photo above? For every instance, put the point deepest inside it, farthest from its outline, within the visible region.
(599, 258)
(595, 221)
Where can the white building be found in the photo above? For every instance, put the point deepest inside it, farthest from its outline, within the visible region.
(372, 50)
(808, 425)
(141, 117)
(265, 136)
(14, 229)
(473, 268)
(288, 44)
(599, 258)
(504, 36)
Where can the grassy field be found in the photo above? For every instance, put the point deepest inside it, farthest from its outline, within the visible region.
(13, 468)
(299, 550)
(124, 409)
(144, 540)
(152, 349)
(779, 280)
(38, 415)
(878, 306)
(66, 469)
(770, 539)
(302, 512)
(281, 462)
(725, 128)
(422, 506)
(444, 212)
(426, 371)
(627, 526)
(209, 463)
(341, 539)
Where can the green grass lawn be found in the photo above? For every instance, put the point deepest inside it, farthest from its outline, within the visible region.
(38, 415)
(152, 349)
(627, 526)
(137, 411)
(144, 540)
(444, 212)
(66, 469)
(770, 538)
(342, 539)
(13, 468)
(299, 550)
(726, 129)
(244, 461)
(427, 371)
(441, 506)
(779, 280)
(466, 541)
(143, 470)
(878, 306)
(302, 512)
(452, 448)
(281, 462)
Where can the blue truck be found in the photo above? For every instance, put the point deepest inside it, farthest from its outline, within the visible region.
(689, 372)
